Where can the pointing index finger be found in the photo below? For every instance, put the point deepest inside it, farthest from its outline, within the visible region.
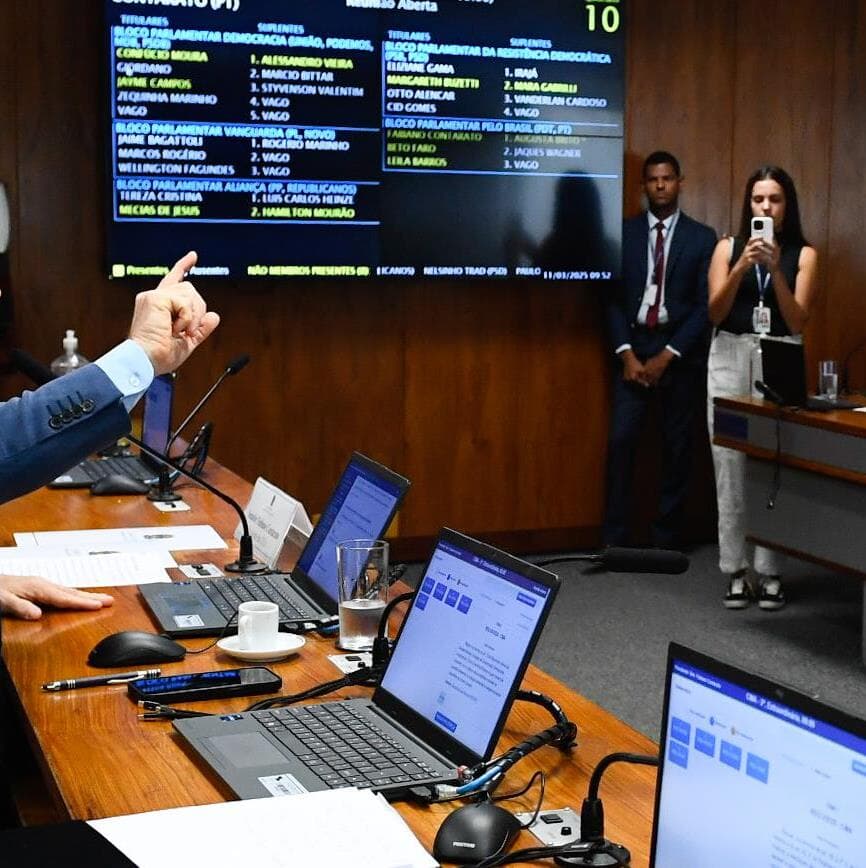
(179, 269)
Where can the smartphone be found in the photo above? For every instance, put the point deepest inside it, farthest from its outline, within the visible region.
(762, 227)
(192, 686)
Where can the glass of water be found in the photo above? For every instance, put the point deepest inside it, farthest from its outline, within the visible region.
(828, 381)
(362, 579)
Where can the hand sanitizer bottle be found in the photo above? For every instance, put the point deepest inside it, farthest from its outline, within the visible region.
(71, 359)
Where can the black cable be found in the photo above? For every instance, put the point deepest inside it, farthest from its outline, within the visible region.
(367, 676)
(382, 644)
(531, 854)
(525, 789)
(777, 463)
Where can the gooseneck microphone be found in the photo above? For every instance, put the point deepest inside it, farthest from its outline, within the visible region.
(245, 563)
(617, 559)
(162, 492)
(233, 367)
(601, 852)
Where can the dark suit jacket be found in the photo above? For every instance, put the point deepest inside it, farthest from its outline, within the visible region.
(44, 433)
(685, 286)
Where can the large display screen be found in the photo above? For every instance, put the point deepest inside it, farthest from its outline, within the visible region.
(365, 138)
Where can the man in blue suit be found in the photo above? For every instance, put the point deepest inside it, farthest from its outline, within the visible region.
(42, 433)
(658, 327)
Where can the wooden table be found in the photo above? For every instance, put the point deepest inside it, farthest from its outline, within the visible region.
(820, 510)
(98, 760)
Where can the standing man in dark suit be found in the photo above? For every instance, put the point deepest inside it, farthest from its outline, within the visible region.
(658, 326)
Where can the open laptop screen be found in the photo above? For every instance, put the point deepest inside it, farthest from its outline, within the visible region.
(754, 773)
(473, 623)
(361, 507)
(156, 419)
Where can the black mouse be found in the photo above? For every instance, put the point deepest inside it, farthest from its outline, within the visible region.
(135, 646)
(118, 483)
(474, 832)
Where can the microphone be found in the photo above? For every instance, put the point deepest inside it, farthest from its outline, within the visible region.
(593, 848)
(617, 559)
(233, 367)
(245, 563)
(768, 393)
(162, 492)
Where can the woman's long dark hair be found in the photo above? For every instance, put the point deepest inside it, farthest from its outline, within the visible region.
(792, 230)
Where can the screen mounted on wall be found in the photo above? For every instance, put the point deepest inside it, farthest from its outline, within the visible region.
(366, 138)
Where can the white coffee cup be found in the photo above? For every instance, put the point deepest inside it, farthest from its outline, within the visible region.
(258, 623)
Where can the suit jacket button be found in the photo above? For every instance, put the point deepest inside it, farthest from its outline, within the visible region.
(87, 405)
(66, 416)
(55, 422)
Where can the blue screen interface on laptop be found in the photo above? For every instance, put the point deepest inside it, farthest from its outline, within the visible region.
(471, 624)
(358, 509)
(747, 780)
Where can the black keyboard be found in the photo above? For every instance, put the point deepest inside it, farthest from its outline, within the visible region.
(97, 469)
(228, 594)
(344, 747)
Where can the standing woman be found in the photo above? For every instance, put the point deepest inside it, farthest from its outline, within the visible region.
(756, 288)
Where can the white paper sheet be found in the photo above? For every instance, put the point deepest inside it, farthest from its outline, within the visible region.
(88, 571)
(332, 828)
(163, 555)
(171, 537)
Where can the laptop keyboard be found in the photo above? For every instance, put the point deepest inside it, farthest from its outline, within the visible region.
(343, 746)
(228, 594)
(98, 469)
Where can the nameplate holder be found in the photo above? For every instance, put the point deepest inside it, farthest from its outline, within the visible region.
(276, 521)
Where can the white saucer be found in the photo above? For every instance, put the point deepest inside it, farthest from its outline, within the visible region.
(286, 643)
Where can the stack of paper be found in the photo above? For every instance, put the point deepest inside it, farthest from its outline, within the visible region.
(104, 558)
(332, 828)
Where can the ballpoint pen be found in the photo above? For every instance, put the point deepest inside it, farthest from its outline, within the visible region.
(99, 680)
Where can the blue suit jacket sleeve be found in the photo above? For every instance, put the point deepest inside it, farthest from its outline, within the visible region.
(39, 441)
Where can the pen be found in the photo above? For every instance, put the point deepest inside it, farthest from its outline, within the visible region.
(99, 680)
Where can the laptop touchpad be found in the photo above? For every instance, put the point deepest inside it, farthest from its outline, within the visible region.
(246, 750)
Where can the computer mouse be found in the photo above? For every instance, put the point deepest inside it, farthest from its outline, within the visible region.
(475, 832)
(135, 646)
(118, 483)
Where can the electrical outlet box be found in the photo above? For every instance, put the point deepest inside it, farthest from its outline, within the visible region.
(560, 826)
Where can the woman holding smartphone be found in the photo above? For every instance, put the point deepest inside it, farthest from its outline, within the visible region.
(761, 283)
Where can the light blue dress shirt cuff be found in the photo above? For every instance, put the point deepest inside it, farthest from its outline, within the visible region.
(129, 368)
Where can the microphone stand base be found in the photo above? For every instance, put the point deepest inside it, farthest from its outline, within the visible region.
(158, 496)
(246, 567)
(603, 854)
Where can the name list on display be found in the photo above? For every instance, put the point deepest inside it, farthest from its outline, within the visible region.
(277, 123)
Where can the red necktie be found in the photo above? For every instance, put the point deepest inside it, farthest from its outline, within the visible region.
(652, 314)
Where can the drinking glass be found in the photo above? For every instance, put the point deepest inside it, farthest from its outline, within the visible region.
(362, 573)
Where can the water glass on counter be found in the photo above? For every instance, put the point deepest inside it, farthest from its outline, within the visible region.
(362, 573)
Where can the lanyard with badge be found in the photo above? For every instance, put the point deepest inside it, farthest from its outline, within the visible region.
(761, 315)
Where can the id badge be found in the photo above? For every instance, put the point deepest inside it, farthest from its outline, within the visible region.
(761, 320)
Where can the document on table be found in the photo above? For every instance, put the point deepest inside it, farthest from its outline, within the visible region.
(109, 569)
(170, 537)
(330, 828)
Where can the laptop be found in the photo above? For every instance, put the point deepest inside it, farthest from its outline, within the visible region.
(155, 432)
(442, 702)
(361, 506)
(784, 369)
(754, 772)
